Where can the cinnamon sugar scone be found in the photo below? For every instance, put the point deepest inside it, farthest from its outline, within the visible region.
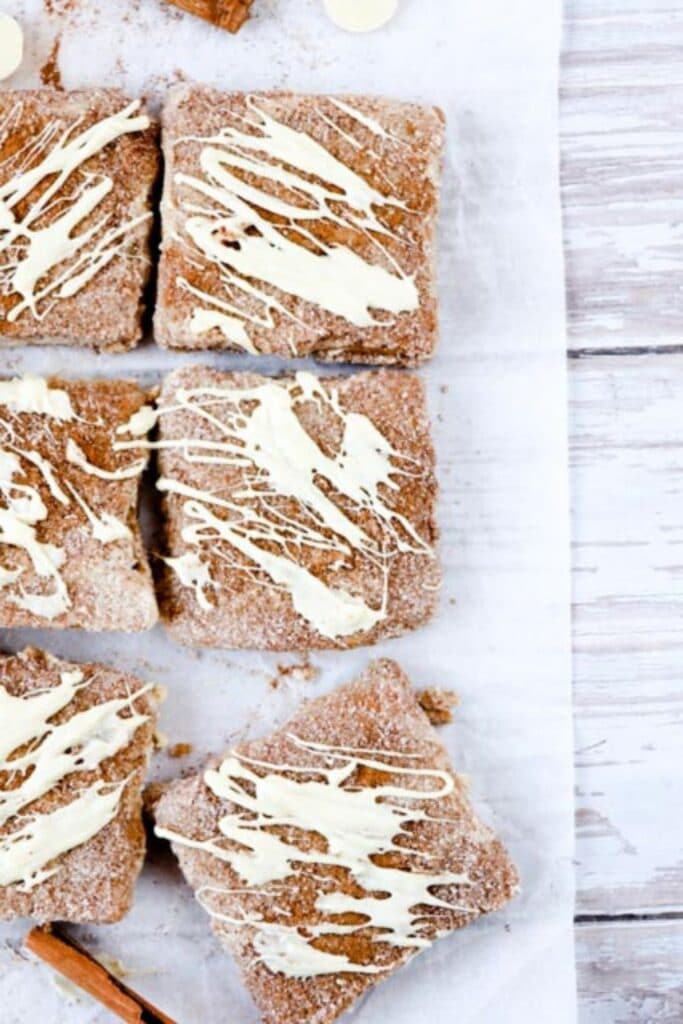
(299, 512)
(76, 177)
(71, 553)
(299, 225)
(75, 741)
(331, 852)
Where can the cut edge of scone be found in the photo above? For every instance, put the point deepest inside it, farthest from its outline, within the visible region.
(263, 900)
(87, 733)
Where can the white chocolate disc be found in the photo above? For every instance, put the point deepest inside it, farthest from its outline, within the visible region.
(361, 15)
(11, 45)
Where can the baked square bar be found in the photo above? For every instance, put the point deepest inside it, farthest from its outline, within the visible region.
(299, 225)
(70, 547)
(74, 746)
(331, 852)
(299, 512)
(76, 177)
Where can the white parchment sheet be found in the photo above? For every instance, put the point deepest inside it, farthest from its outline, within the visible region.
(498, 402)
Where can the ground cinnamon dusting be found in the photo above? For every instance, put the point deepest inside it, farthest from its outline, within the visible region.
(438, 704)
(50, 75)
(299, 672)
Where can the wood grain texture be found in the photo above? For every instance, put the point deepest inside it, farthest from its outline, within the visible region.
(627, 476)
(622, 166)
(630, 972)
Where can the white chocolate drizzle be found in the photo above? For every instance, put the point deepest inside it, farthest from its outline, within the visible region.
(52, 753)
(260, 433)
(23, 511)
(248, 234)
(43, 255)
(358, 824)
(34, 395)
(76, 457)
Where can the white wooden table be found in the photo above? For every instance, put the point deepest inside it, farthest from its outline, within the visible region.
(622, 180)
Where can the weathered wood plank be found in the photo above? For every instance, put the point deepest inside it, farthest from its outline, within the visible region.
(622, 164)
(630, 972)
(627, 473)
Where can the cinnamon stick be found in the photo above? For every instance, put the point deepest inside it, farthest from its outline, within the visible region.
(227, 14)
(71, 960)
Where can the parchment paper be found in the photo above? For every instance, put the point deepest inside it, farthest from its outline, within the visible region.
(498, 398)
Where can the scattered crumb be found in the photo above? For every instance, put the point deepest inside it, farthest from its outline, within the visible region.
(160, 740)
(438, 704)
(50, 74)
(298, 672)
(179, 750)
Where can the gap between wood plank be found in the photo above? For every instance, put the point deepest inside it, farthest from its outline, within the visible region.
(627, 919)
(625, 350)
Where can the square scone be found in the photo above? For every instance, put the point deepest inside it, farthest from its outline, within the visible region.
(299, 225)
(299, 512)
(74, 746)
(71, 553)
(333, 851)
(77, 171)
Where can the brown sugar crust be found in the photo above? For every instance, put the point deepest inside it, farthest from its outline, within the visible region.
(95, 881)
(106, 314)
(247, 612)
(377, 712)
(109, 585)
(404, 163)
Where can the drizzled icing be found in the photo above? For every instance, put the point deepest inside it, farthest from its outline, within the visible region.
(358, 823)
(48, 194)
(258, 431)
(52, 753)
(34, 395)
(249, 234)
(23, 511)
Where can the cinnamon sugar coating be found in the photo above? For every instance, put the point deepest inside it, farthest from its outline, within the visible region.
(378, 712)
(390, 155)
(94, 881)
(107, 584)
(109, 194)
(247, 607)
(227, 14)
